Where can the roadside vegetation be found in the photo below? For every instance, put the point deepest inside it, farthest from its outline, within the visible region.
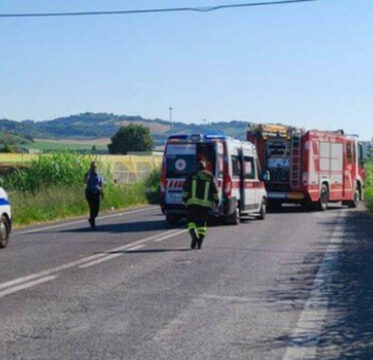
(52, 187)
(369, 186)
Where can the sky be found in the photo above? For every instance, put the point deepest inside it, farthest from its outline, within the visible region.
(308, 65)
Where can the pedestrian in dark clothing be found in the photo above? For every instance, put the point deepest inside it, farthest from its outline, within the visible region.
(200, 193)
(93, 192)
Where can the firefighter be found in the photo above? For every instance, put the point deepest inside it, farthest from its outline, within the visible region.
(199, 195)
(93, 192)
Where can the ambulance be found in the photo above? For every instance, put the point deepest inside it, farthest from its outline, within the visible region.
(234, 165)
(5, 219)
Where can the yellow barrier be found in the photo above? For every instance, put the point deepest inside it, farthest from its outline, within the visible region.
(120, 165)
(17, 158)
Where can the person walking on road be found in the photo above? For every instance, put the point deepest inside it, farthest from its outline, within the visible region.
(200, 193)
(93, 192)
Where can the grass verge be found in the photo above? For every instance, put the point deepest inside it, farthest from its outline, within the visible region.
(60, 202)
(369, 186)
(51, 187)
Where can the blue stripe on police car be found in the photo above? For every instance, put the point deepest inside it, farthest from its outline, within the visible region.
(4, 201)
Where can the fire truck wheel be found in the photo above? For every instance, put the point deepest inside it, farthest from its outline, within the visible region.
(172, 219)
(263, 210)
(4, 232)
(234, 218)
(354, 203)
(324, 198)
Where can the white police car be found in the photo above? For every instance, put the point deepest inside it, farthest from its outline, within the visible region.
(5, 219)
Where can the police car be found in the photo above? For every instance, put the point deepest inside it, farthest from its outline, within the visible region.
(234, 165)
(5, 219)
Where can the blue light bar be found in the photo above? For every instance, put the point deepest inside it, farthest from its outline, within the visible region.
(215, 136)
(180, 137)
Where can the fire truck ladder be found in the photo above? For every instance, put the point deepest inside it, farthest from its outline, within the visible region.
(295, 160)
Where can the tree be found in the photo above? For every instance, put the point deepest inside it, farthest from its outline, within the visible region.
(131, 138)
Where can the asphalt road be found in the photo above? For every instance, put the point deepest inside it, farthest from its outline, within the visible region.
(295, 286)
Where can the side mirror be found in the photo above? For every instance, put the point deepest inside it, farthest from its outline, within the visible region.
(266, 176)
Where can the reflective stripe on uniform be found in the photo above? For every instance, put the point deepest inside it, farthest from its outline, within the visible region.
(192, 226)
(202, 230)
(194, 200)
(207, 190)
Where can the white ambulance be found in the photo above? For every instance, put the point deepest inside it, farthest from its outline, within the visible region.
(5, 219)
(234, 165)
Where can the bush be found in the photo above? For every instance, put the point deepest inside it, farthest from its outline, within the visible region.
(152, 184)
(132, 137)
(369, 186)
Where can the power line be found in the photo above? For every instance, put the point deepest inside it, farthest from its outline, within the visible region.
(160, 10)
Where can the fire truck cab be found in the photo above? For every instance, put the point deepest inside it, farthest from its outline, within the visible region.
(309, 167)
(235, 168)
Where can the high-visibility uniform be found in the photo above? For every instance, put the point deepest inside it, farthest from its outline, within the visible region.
(199, 194)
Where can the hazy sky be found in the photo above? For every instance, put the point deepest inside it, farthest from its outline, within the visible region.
(309, 64)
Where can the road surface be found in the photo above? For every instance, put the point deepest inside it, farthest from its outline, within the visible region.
(295, 286)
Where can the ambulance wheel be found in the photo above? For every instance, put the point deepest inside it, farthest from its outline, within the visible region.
(4, 232)
(234, 219)
(324, 198)
(172, 219)
(263, 210)
(354, 203)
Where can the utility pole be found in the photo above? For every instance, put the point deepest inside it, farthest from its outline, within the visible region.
(170, 109)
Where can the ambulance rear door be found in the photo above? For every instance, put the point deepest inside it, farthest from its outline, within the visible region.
(180, 163)
(249, 181)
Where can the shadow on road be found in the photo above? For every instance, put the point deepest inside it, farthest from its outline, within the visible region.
(148, 251)
(293, 208)
(130, 227)
(347, 286)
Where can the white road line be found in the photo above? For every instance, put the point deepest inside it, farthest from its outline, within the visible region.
(56, 226)
(167, 237)
(308, 329)
(135, 248)
(69, 265)
(27, 285)
(135, 245)
(99, 261)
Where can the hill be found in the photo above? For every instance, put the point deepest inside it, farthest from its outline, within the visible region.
(104, 125)
(10, 141)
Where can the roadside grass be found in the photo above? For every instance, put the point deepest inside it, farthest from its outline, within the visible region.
(59, 202)
(369, 186)
(52, 187)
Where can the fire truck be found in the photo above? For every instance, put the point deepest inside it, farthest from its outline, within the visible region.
(234, 165)
(312, 168)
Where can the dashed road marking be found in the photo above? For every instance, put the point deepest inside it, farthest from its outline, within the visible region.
(135, 248)
(111, 253)
(167, 237)
(27, 285)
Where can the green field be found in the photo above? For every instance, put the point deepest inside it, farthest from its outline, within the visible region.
(59, 146)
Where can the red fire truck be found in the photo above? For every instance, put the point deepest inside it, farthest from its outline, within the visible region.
(312, 168)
